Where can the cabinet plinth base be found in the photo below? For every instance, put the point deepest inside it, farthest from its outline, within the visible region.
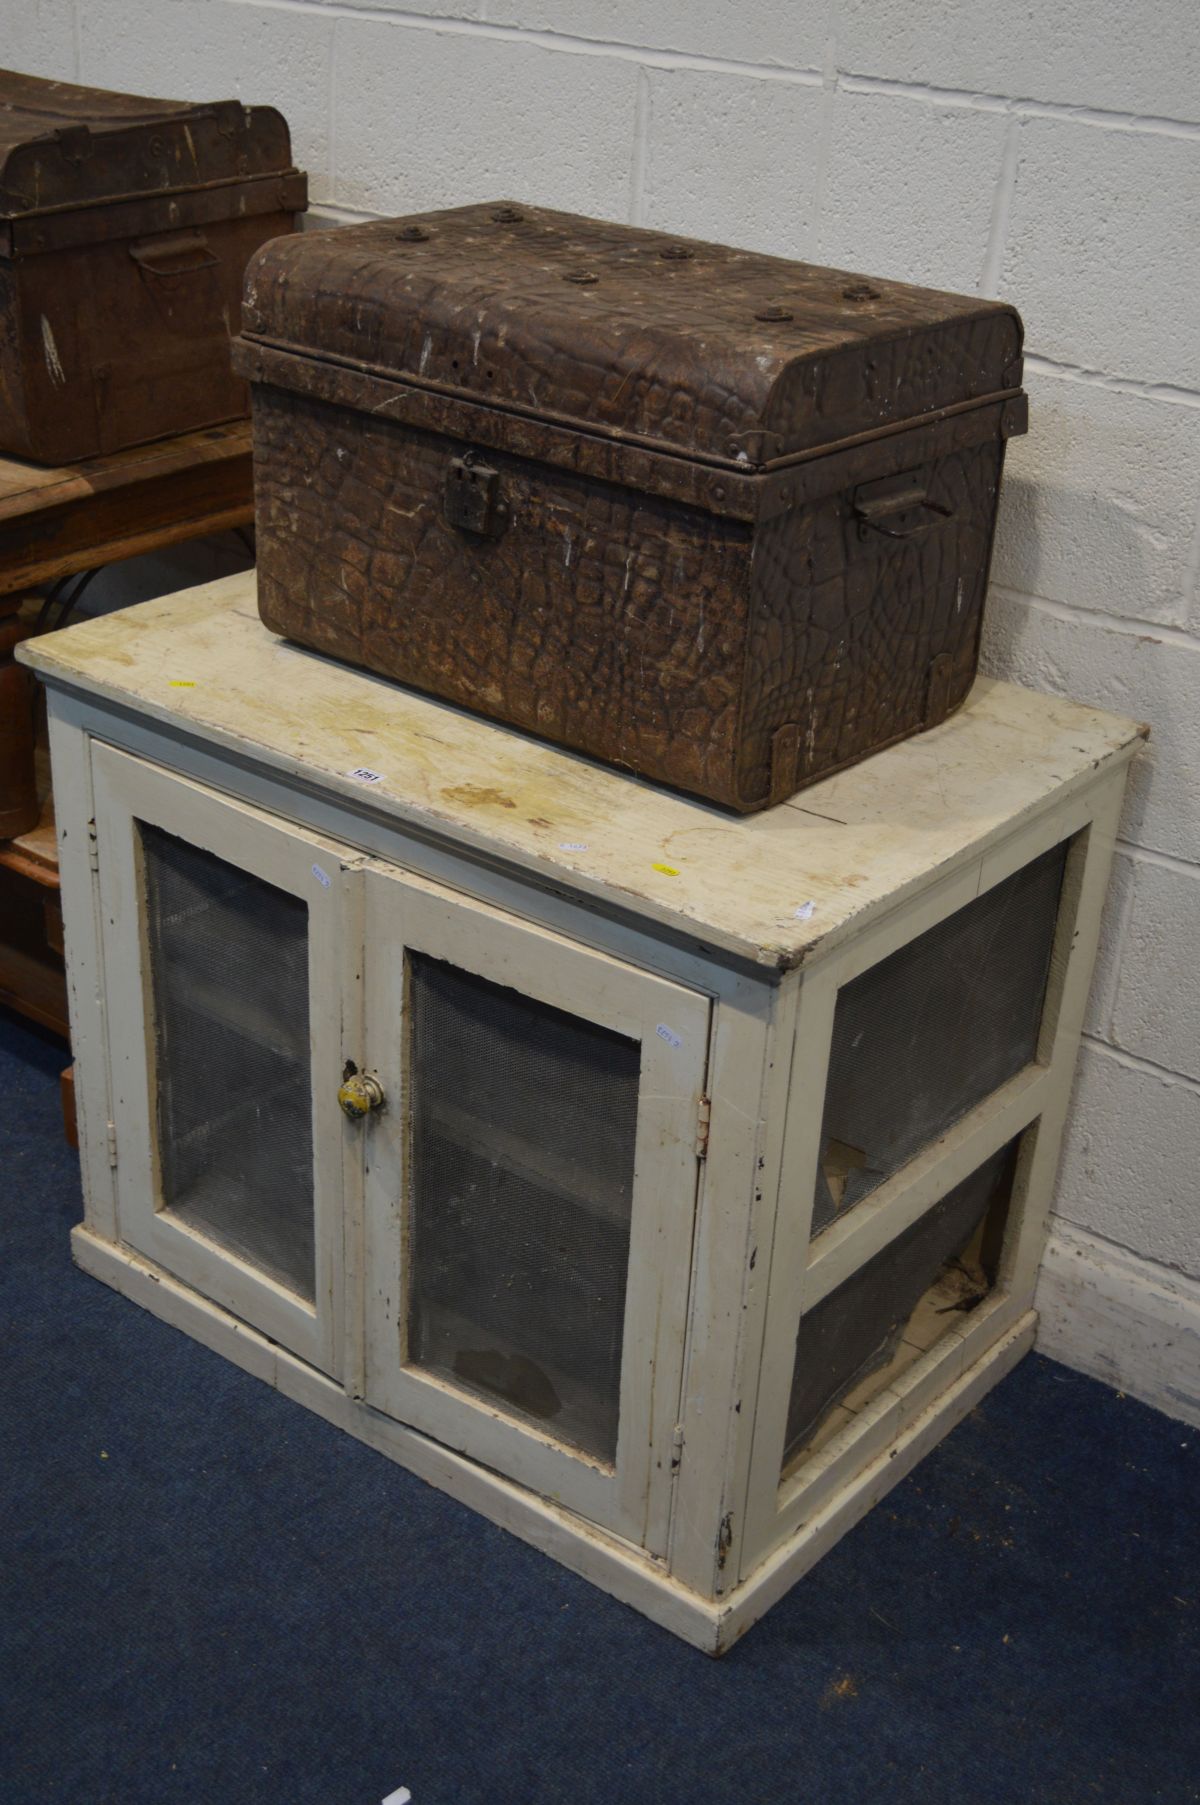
(712, 1625)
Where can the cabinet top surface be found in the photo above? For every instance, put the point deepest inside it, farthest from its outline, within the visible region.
(770, 887)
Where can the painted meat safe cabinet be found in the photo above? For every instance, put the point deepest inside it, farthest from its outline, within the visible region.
(660, 1182)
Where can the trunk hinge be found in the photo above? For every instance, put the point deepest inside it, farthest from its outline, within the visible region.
(703, 1121)
(112, 1144)
(93, 847)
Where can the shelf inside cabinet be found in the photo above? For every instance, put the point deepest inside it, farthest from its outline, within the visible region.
(527, 1159)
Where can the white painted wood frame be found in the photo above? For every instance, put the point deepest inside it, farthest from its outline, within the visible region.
(628, 1573)
(79, 889)
(282, 728)
(626, 905)
(1031, 1105)
(127, 793)
(406, 915)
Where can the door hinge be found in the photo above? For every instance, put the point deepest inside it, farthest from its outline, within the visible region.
(703, 1120)
(676, 1447)
(724, 1539)
(93, 847)
(112, 1143)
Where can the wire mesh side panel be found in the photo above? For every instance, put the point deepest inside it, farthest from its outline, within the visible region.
(229, 972)
(925, 1035)
(901, 1302)
(524, 1122)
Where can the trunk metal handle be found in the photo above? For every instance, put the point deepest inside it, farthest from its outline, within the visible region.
(909, 512)
(160, 256)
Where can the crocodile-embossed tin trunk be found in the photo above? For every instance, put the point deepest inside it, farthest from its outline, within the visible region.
(719, 518)
(125, 228)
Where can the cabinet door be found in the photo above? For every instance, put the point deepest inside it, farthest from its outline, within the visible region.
(530, 1197)
(232, 944)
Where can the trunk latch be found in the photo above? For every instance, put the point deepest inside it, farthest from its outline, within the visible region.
(473, 501)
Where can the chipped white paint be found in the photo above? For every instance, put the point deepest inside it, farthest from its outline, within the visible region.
(404, 915)
(708, 1624)
(666, 923)
(628, 573)
(50, 351)
(851, 844)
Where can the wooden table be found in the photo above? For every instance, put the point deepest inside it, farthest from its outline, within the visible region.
(54, 523)
(31, 965)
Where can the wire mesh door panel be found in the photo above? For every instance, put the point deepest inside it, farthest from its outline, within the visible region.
(236, 936)
(862, 1335)
(531, 1199)
(932, 1030)
(524, 1123)
(228, 957)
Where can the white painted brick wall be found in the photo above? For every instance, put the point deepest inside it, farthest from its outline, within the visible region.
(1150, 674)
(702, 124)
(1050, 154)
(777, 34)
(39, 38)
(909, 187)
(433, 119)
(1156, 1008)
(1078, 53)
(1129, 1168)
(1103, 248)
(1100, 500)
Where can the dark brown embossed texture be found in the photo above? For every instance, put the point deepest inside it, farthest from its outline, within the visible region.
(847, 622)
(585, 479)
(126, 225)
(606, 620)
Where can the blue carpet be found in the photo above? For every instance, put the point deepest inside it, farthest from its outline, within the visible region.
(211, 1596)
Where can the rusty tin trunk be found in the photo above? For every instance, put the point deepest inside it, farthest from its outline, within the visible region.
(125, 228)
(719, 518)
